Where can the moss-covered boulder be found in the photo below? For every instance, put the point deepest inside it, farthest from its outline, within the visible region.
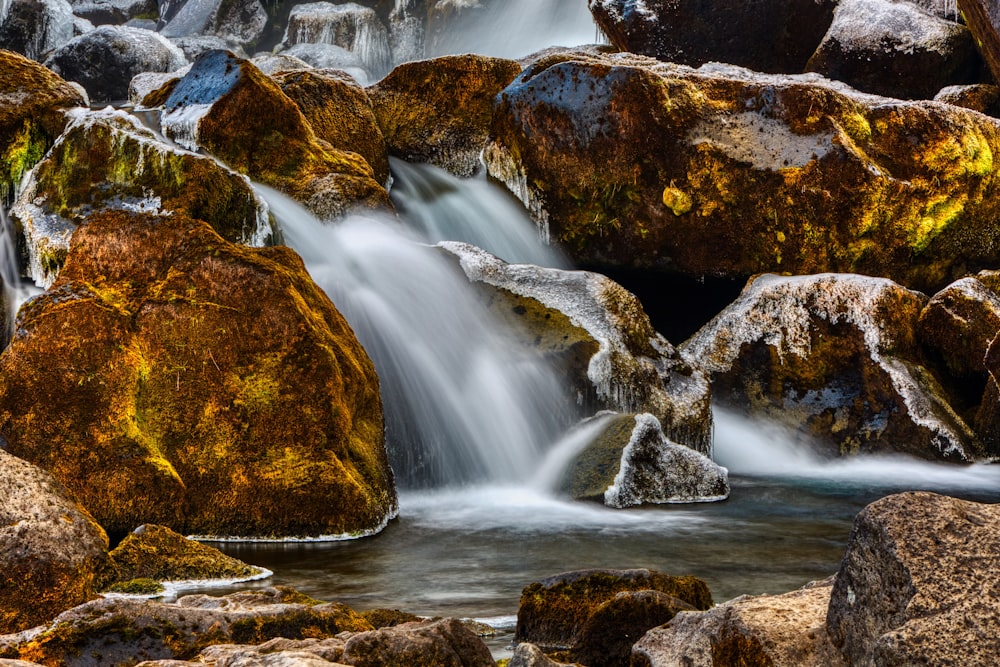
(340, 113)
(835, 357)
(32, 100)
(630, 462)
(724, 172)
(108, 160)
(53, 554)
(765, 630)
(169, 364)
(229, 108)
(553, 611)
(439, 110)
(596, 331)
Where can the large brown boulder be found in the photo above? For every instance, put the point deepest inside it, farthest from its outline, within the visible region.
(917, 585)
(721, 171)
(435, 643)
(835, 357)
(52, 553)
(156, 378)
(439, 110)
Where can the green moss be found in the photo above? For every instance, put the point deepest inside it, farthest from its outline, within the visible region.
(939, 214)
(141, 586)
(26, 147)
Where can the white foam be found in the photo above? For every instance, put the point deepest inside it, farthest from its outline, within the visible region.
(172, 588)
(334, 537)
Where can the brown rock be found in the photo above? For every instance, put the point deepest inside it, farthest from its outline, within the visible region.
(981, 97)
(442, 643)
(983, 18)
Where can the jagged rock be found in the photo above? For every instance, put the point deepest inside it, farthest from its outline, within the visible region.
(529, 655)
(775, 36)
(983, 18)
(32, 100)
(118, 632)
(631, 463)
(180, 357)
(340, 113)
(228, 107)
(113, 12)
(915, 586)
(241, 21)
(107, 160)
(439, 110)
(52, 552)
(104, 60)
(553, 611)
(330, 56)
(348, 25)
(981, 97)
(895, 49)
(787, 629)
(598, 333)
(441, 643)
(834, 356)
(35, 28)
(724, 172)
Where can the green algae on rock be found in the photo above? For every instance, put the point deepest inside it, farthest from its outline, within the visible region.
(196, 384)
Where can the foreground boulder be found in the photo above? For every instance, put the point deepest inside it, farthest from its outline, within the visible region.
(163, 341)
(916, 584)
(439, 110)
(787, 629)
(52, 552)
(835, 357)
(725, 172)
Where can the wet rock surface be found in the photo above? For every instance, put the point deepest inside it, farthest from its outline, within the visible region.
(36, 27)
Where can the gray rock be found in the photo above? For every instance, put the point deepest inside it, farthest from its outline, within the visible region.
(241, 22)
(113, 12)
(529, 655)
(194, 45)
(272, 63)
(982, 97)
(35, 28)
(917, 584)
(349, 25)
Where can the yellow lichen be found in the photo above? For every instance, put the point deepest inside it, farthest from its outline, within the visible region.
(677, 200)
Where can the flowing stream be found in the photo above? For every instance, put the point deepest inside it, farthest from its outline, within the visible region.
(13, 289)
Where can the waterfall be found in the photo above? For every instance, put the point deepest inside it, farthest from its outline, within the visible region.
(463, 402)
(13, 290)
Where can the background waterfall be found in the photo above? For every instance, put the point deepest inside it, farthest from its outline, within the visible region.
(13, 290)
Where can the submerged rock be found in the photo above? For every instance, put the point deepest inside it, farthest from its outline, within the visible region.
(916, 584)
(439, 110)
(725, 172)
(35, 28)
(107, 160)
(598, 332)
(52, 552)
(787, 629)
(834, 356)
(167, 360)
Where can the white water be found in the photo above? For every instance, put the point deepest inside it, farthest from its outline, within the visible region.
(15, 290)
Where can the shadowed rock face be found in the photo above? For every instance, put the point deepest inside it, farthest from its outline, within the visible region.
(171, 377)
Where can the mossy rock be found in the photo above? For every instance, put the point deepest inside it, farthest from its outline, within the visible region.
(439, 110)
(141, 586)
(785, 174)
(32, 99)
(166, 362)
(385, 618)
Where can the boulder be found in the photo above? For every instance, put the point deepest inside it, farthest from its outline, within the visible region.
(598, 333)
(895, 49)
(32, 100)
(340, 113)
(35, 28)
(229, 108)
(52, 552)
(632, 463)
(724, 172)
(241, 21)
(347, 25)
(553, 612)
(108, 160)
(835, 357)
(273, 63)
(113, 12)
(983, 18)
(439, 110)
(105, 59)
(529, 655)
(915, 586)
(123, 631)
(774, 36)
(981, 97)
(195, 45)
(330, 56)
(787, 629)
(168, 360)
(434, 643)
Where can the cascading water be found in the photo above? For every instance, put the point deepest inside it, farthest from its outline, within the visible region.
(13, 290)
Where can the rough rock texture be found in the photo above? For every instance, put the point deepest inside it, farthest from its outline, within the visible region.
(776, 36)
(915, 586)
(439, 110)
(529, 655)
(725, 172)
(117, 631)
(113, 12)
(107, 160)
(228, 107)
(347, 25)
(834, 356)
(441, 643)
(52, 552)
(340, 113)
(981, 97)
(166, 363)
(766, 630)
(240, 21)
(983, 18)
(631, 463)
(105, 59)
(553, 611)
(598, 332)
(31, 102)
(895, 49)
(35, 28)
